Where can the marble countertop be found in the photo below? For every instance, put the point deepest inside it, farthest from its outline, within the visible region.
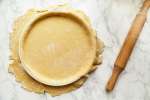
(111, 19)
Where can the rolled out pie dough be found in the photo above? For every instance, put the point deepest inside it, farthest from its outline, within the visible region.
(32, 50)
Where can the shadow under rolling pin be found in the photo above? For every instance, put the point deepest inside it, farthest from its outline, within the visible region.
(128, 45)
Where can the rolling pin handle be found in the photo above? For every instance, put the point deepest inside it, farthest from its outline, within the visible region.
(113, 79)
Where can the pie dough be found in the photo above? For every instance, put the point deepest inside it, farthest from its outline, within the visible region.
(73, 45)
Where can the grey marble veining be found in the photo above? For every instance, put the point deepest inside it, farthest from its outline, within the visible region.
(111, 19)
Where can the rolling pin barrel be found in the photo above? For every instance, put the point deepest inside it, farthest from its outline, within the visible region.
(128, 45)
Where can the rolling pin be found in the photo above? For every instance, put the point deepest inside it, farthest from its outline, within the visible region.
(128, 45)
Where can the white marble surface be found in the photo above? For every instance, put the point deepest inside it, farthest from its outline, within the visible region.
(111, 19)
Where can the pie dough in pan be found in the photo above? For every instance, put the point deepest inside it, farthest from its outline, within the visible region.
(54, 49)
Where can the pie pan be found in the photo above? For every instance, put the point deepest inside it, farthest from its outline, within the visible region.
(57, 48)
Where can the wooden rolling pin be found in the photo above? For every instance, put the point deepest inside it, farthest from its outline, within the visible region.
(128, 45)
